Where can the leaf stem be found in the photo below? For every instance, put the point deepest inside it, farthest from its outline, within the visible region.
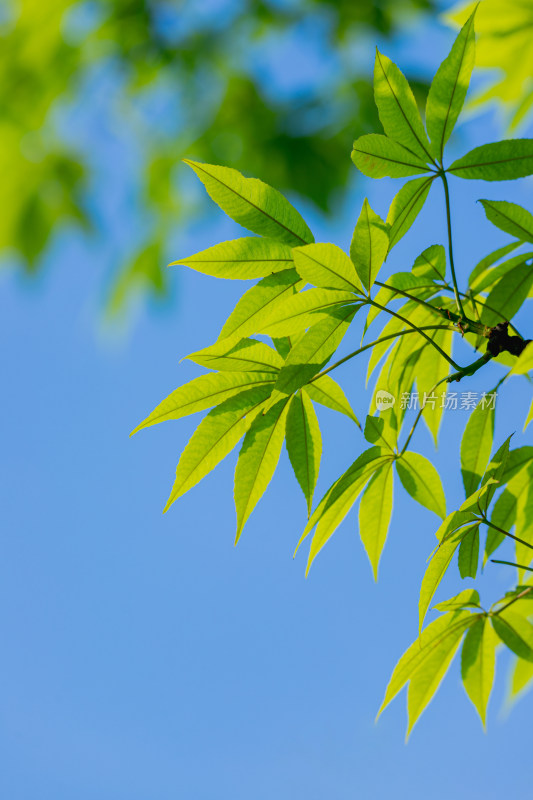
(418, 416)
(373, 344)
(415, 327)
(450, 244)
(506, 533)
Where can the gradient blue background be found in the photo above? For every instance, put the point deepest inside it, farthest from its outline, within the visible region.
(143, 656)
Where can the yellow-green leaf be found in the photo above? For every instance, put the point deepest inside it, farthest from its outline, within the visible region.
(253, 204)
(369, 246)
(406, 206)
(377, 156)
(327, 392)
(476, 445)
(304, 444)
(304, 310)
(499, 161)
(326, 266)
(258, 460)
(242, 259)
(375, 511)
(421, 480)
(478, 658)
(248, 355)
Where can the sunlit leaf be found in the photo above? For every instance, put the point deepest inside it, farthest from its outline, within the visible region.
(478, 658)
(369, 246)
(510, 217)
(304, 444)
(476, 445)
(515, 632)
(374, 432)
(327, 392)
(469, 598)
(380, 157)
(216, 435)
(258, 459)
(490, 259)
(436, 570)
(406, 206)
(247, 355)
(303, 310)
(259, 303)
(204, 392)
(250, 257)
(431, 263)
(499, 161)
(522, 676)
(397, 108)
(326, 266)
(375, 511)
(421, 480)
(449, 87)
(253, 204)
(524, 362)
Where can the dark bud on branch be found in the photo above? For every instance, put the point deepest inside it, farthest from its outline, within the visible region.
(500, 341)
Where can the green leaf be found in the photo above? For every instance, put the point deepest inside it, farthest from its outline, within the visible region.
(499, 161)
(260, 303)
(304, 444)
(510, 217)
(376, 156)
(258, 459)
(428, 677)
(216, 435)
(241, 259)
(476, 446)
(421, 480)
(529, 416)
(473, 501)
(524, 363)
(432, 368)
(312, 352)
(406, 206)
(478, 658)
(204, 392)
(406, 281)
(253, 204)
(437, 638)
(495, 471)
(339, 499)
(397, 108)
(375, 512)
(303, 310)
(436, 570)
(449, 87)
(515, 632)
(468, 598)
(326, 266)
(490, 259)
(327, 392)
(488, 278)
(503, 515)
(469, 553)
(431, 263)
(373, 432)
(369, 246)
(248, 355)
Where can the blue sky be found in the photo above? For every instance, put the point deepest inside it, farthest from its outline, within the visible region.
(144, 655)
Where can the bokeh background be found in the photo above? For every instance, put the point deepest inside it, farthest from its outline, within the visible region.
(145, 656)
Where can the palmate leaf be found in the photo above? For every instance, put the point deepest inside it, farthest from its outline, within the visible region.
(375, 510)
(204, 392)
(431, 263)
(370, 243)
(440, 638)
(478, 659)
(253, 204)
(449, 87)
(476, 446)
(340, 498)
(259, 303)
(312, 352)
(510, 217)
(248, 355)
(258, 460)
(303, 310)
(377, 156)
(421, 480)
(304, 444)
(499, 161)
(242, 259)
(406, 206)
(326, 266)
(397, 108)
(507, 296)
(216, 435)
(327, 392)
